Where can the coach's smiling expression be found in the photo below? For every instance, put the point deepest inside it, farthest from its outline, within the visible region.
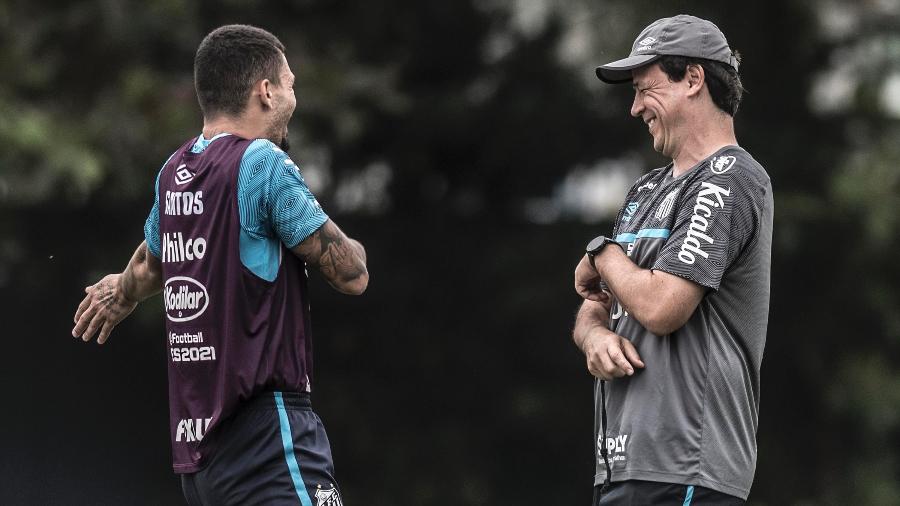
(659, 103)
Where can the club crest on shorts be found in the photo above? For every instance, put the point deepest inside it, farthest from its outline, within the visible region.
(721, 164)
(328, 496)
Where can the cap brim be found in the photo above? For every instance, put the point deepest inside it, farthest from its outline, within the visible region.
(619, 71)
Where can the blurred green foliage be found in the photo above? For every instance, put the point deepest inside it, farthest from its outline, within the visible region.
(430, 125)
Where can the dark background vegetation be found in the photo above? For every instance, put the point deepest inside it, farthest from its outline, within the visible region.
(449, 137)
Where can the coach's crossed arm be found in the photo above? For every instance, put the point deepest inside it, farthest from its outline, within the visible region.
(608, 354)
(115, 296)
(339, 258)
(660, 301)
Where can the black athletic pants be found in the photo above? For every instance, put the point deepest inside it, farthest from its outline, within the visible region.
(645, 493)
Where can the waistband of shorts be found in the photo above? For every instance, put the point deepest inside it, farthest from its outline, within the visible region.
(267, 400)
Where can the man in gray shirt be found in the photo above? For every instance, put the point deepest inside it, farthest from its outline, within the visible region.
(676, 306)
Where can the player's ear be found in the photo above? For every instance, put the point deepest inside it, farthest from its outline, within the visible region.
(695, 78)
(263, 92)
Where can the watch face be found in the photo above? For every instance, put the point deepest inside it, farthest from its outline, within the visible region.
(596, 243)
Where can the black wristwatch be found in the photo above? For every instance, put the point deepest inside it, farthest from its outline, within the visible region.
(596, 246)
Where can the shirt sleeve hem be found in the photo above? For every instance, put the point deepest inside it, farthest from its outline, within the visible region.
(684, 275)
(314, 224)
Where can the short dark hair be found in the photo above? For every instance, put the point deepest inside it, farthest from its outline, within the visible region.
(229, 60)
(722, 79)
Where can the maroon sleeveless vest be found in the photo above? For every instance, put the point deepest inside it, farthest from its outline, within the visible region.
(230, 333)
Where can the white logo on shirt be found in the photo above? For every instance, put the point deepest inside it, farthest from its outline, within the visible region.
(721, 164)
(191, 429)
(175, 248)
(648, 186)
(665, 208)
(700, 222)
(183, 175)
(183, 203)
(615, 448)
(185, 298)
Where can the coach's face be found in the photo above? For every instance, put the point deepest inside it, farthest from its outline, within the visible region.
(283, 104)
(658, 101)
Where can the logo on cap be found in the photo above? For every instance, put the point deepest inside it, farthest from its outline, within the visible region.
(646, 44)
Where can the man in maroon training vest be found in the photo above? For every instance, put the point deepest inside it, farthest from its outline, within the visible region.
(231, 231)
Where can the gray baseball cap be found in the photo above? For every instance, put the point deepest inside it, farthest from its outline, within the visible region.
(680, 35)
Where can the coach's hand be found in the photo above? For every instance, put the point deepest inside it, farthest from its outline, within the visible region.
(610, 355)
(104, 306)
(587, 281)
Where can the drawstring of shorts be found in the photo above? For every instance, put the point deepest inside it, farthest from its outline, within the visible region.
(604, 451)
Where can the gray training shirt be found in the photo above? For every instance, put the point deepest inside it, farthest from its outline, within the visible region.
(690, 416)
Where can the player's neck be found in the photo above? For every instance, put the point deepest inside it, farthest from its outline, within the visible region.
(703, 141)
(236, 126)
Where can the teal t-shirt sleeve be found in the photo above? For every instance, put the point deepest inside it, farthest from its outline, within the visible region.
(273, 197)
(293, 209)
(151, 226)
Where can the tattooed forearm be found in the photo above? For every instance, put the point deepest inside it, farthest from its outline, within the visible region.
(329, 235)
(114, 297)
(340, 259)
(142, 277)
(117, 304)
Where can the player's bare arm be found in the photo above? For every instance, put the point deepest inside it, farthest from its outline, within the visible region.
(660, 301)
(115, 296)
(339, 258)
(608, 355)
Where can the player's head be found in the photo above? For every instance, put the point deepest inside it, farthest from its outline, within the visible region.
(241, 69)
(677, 63)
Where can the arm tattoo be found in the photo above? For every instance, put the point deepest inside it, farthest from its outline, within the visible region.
(106, 294)
(128, 281)
(337, 255)
(142, 277)
(116, 306)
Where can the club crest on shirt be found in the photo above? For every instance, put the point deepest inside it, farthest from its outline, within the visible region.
(721, 164)
(665, 208)
(328, 496)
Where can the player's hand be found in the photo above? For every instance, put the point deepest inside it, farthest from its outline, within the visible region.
(103, 308)
(610, 355)
(587, 281)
